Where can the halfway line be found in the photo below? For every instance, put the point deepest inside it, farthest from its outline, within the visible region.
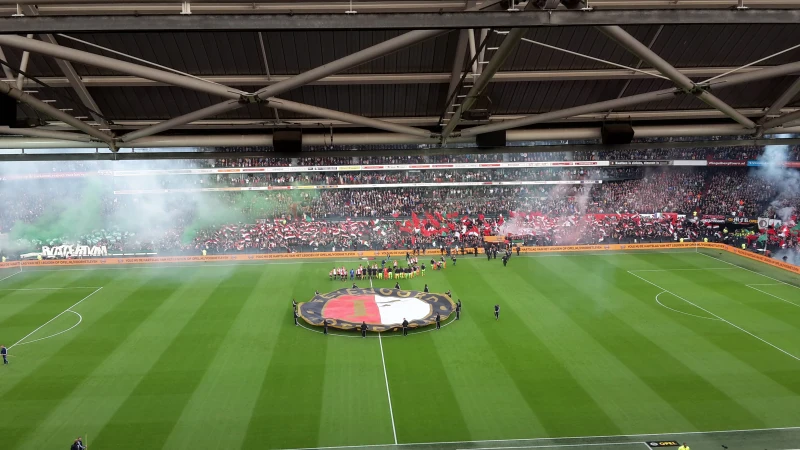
(388, 393)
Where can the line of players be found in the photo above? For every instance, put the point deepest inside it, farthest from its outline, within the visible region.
(384, 272)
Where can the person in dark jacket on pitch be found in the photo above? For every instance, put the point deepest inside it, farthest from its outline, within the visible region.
(426, 288)
(294, 305)
(458, 310)
(294, 313)
(517, 249)
(363, 329)
(397, 285)
(77, 445)
(438, 321)
(325, 326)
(496, 312)
(405, 327)
(4, 352)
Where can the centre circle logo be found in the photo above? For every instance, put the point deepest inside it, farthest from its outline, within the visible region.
(382, 309)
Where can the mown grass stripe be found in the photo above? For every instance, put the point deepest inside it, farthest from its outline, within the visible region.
(231, 383)
(287, 407)
(55, 379)
(164, 391)
(534, 369)
(663, 371)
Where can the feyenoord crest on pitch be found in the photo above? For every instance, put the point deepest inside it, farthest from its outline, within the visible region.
(382, 309)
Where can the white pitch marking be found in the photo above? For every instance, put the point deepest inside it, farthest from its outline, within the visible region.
(720, 318)
(751, 286)
(15, 273)
(388, 393)
(329, 261)
(49, 288)
(80, 319)
(682, 312)
(557, 446)
(651, 435)
(753, 271)
(673, 270)
(56, 317)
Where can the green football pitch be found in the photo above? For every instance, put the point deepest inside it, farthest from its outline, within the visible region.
(592, 351)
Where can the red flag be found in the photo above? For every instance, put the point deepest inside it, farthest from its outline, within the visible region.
(395, 214)
(481, 217)
(439, 216)
(432, 219)
(415, 219)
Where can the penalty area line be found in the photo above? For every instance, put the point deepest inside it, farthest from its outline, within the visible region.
(753, 271)
(56, 317)
(718, 317)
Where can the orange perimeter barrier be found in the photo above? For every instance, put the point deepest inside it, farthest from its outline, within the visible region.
(110, 261)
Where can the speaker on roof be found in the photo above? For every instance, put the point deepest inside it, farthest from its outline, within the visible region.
(616, 133)
(8, 111)
(287, 141)
(493, 139)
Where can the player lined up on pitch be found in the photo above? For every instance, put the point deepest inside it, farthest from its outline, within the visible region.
(4, 352)
(388, 269)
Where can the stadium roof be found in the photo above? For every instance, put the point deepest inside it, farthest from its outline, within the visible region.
(212, 73)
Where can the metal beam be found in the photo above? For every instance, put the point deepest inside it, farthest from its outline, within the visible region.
(506, 47)
(719, 83)
(458, 61)
(314, 111)
(423, 121)
(23, 66)
(138, 155)
(502, 53)
(352, 60)
(395, 21)
(55, 113)
(784, 99)
(270, 6)
(255, 140)
(643, 52)
(91, 59)
(49, 134)
(6, 70)
(69, 72)
(395, 78)
(779, 121)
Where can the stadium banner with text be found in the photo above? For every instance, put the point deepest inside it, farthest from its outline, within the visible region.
(738, 220)
(358, 186)
(393, 253)
(727, 163)
(405, 167)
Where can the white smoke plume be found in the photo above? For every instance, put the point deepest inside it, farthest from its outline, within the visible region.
(786, 181)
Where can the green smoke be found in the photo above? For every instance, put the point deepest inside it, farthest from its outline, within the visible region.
(67, 216)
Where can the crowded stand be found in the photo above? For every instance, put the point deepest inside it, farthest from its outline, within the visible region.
(380, 177)
(572, 205)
